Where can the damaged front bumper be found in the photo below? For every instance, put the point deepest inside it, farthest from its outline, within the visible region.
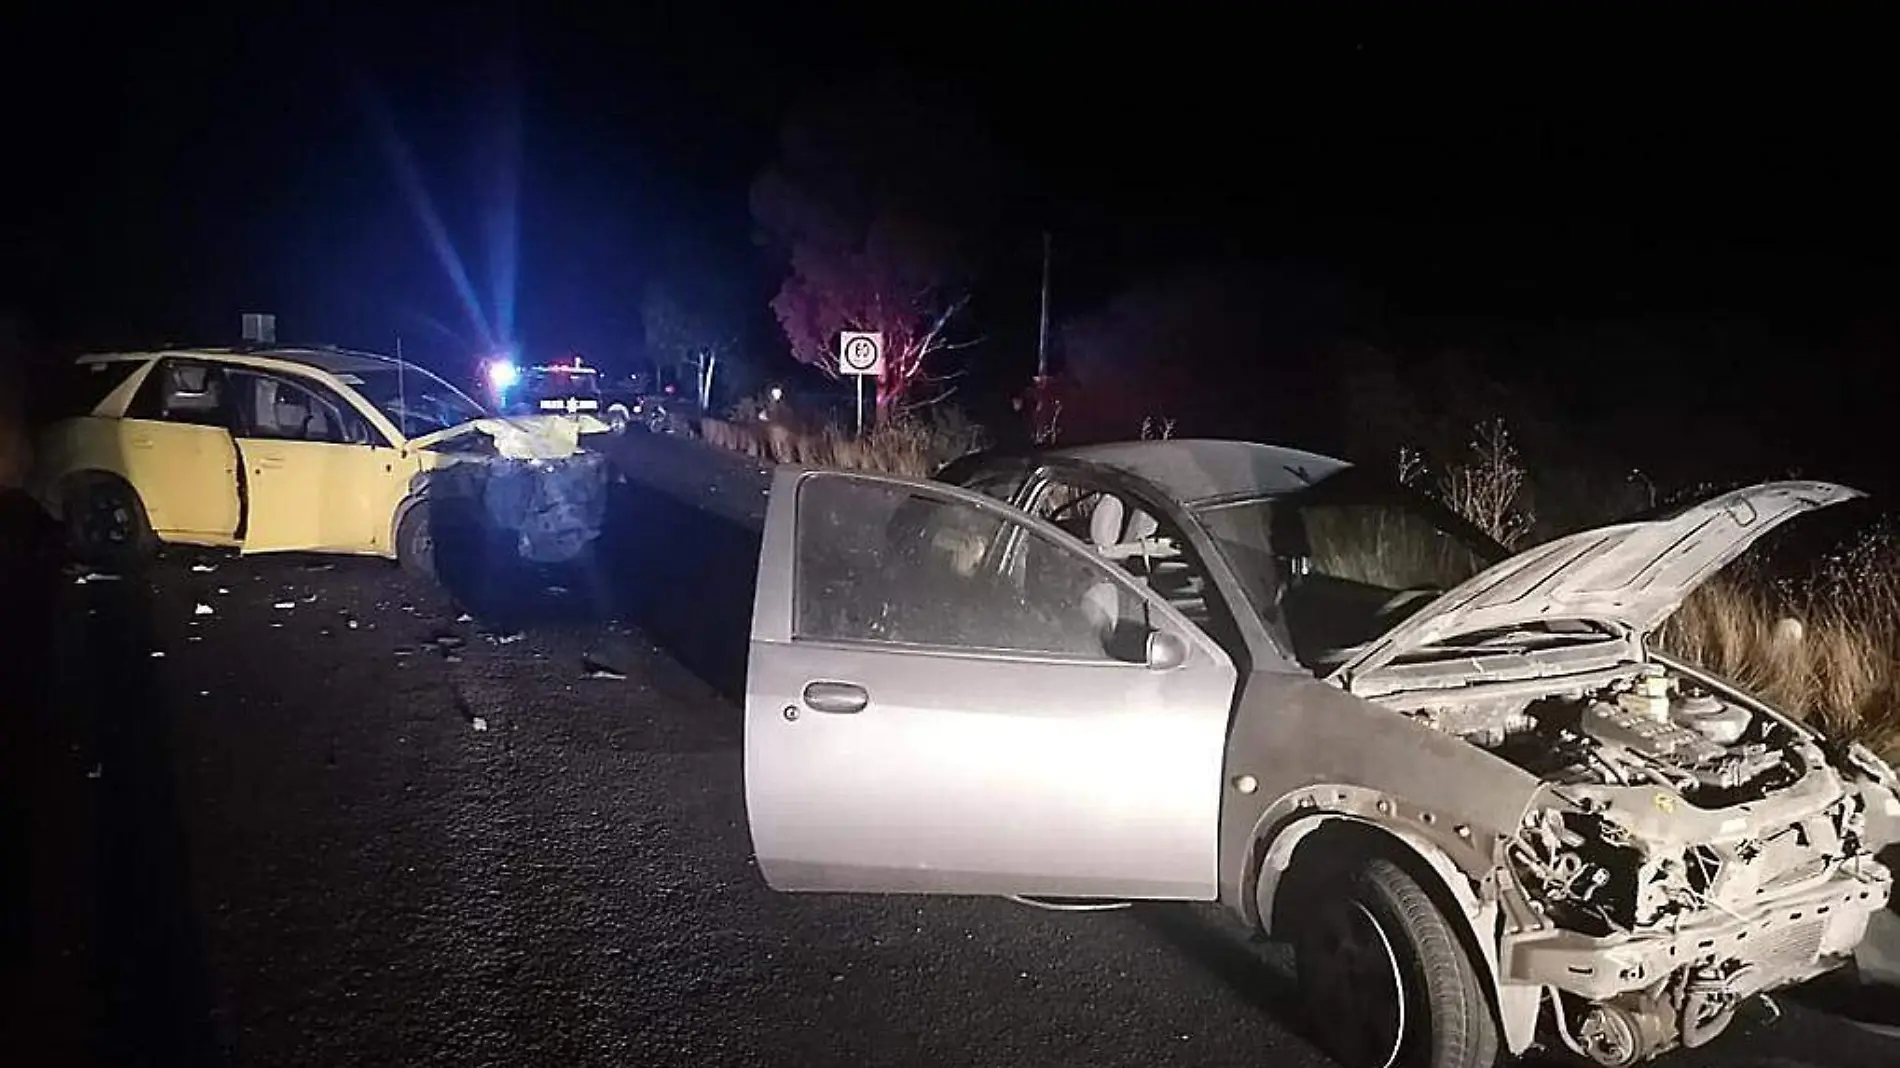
(1774, 943)
(552, 510)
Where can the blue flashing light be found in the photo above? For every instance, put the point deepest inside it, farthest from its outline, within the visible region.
(502, 374)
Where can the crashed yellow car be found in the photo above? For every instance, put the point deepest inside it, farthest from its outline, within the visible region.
(313, 449)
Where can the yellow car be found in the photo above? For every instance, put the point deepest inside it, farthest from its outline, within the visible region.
(276, 449)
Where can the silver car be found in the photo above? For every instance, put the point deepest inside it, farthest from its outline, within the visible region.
(1486, 814)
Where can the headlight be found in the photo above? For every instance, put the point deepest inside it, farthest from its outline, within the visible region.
(503, 374)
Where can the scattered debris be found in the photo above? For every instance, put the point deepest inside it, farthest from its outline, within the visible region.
(158, 654)
(224, 591)
(204, 568)
(451, 658)
(402, 650)
(96, 576)
(97, 771)
(194, 637)
(478, 723)
(319, 565)
(326, 631)
(507, 639)
(203, 609)
(352, 623)
(448, 640)
(285, 605)
(464, 618)
(557, 590)
(312, 599)
(594, 669)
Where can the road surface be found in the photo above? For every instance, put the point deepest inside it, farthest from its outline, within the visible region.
(335, 817)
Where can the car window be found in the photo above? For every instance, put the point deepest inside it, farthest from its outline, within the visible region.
(81, 387)
(883, 563)
(1135, 536)
(182, 391)
(293, 409)
(1329, 570)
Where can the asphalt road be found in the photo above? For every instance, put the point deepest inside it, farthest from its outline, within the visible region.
(347, 819)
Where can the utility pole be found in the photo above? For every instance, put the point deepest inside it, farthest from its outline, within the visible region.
(1042, 333)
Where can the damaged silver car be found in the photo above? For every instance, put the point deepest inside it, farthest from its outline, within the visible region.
(1487, 815)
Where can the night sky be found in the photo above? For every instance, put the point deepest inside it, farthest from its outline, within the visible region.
(1707, 213)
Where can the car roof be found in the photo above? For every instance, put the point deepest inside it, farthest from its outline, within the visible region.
(1195, 471)
(324, 358)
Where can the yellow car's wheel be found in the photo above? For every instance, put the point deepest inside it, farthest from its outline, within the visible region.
(106, 522)
(415, 542)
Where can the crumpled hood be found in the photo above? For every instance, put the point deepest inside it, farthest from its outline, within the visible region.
(526, 437)
(1630, 575)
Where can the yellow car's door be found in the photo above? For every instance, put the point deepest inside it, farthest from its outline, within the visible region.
(316, 475)
(176, 450)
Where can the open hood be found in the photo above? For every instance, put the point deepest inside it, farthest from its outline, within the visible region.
(526, 437)
(1629, 575)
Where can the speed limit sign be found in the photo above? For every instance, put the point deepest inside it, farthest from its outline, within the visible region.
(861, 353)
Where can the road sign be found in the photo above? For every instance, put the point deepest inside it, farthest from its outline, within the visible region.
(860, 353)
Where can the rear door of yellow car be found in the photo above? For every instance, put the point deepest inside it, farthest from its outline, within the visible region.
(174, 446)
(317, 476)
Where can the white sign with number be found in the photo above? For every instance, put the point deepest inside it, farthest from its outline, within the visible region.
(860, 353)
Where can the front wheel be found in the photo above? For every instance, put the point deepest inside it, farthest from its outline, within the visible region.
(415, 542)
(1386, 982)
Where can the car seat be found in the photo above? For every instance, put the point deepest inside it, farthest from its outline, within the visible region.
(1129, 537)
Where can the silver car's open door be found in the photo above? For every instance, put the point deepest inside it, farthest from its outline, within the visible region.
(945, 695)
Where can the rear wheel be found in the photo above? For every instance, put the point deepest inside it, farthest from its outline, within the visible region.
(415, 542)
(618, 417)
(1386, 981)
(106, 523)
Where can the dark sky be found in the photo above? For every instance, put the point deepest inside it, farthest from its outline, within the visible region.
(1483, 178)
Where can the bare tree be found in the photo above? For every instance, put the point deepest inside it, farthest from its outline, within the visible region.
(873, 199)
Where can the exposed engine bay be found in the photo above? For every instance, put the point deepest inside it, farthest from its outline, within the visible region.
(1646, 729)
(1674, 809)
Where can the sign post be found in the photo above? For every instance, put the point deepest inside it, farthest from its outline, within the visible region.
(860, 355)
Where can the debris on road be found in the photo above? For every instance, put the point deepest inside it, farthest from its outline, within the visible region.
(448, 640)
(285, 605)
(96, 576)
(97, 771)
(204, 568)
(158, 654)
(507, 639)
(465, 618)
(478, 723)
(557, 591)
(594, 669)
(203, 609)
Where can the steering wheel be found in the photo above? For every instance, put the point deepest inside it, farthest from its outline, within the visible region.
(1405, 597)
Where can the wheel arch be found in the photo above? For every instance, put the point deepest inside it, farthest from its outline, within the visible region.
(1309, 842)
(66, 484)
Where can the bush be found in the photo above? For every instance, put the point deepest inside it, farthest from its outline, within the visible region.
(910, 445)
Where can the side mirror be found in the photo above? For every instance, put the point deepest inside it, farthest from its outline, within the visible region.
(1166, 650)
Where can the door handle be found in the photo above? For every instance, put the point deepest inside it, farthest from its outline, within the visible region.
(272, 462)
(840, 697)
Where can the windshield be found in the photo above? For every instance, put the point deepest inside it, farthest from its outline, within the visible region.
(420, 403)
(1343, 560)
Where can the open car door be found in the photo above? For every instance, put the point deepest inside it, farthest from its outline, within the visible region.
(945, 695)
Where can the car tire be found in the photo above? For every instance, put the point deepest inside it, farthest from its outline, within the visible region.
(106, 523)
(618, 417)
(1385, 979)
(415, 542)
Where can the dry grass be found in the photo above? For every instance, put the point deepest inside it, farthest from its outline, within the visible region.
(915, 446)
(1825, 647)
